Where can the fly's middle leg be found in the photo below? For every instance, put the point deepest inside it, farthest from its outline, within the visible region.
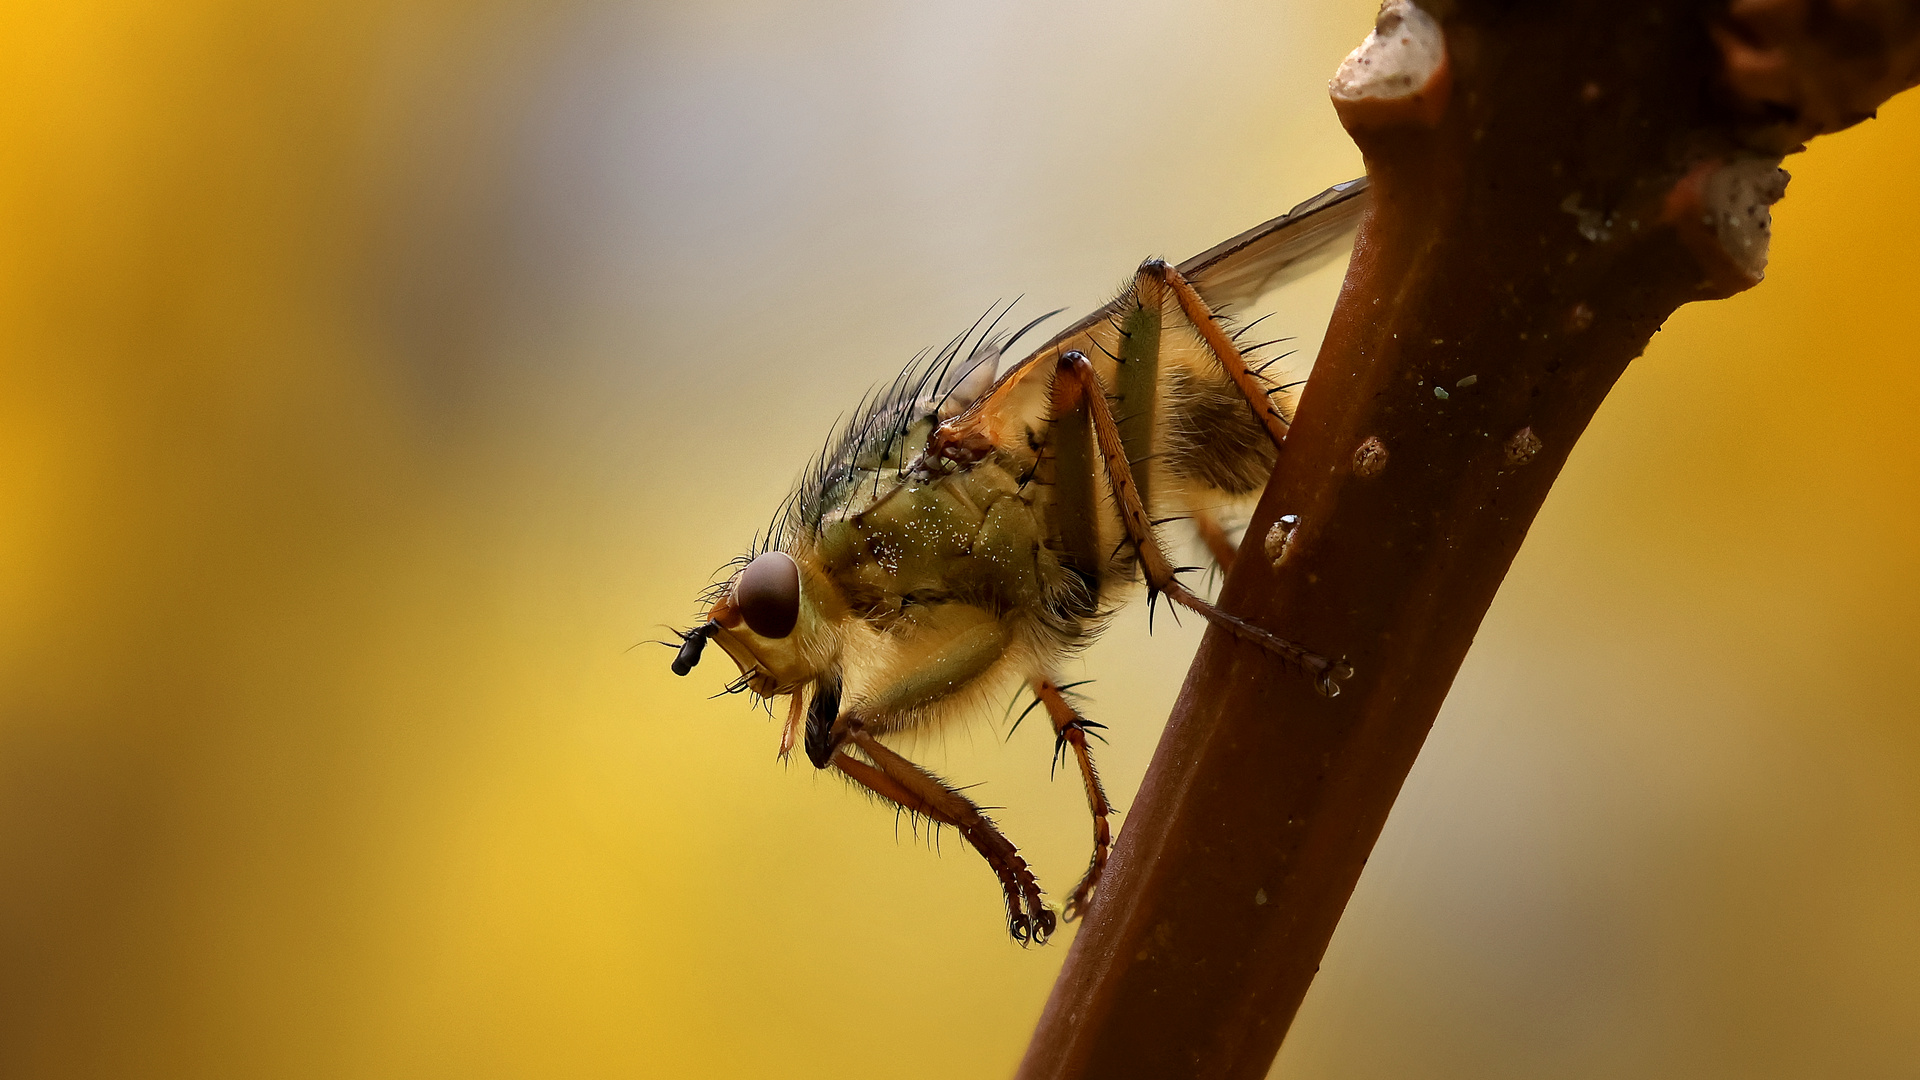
(912, 788)
(1163, 275)
(1070, 731)
(1159, 573)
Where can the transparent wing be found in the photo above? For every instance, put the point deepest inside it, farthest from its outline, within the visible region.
(1237, 271)
(1234, 273)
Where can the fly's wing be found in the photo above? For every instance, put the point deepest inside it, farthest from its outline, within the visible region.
(1238, 271)
(1231, 273)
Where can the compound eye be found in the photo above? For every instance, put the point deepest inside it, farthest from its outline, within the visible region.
(768, 594)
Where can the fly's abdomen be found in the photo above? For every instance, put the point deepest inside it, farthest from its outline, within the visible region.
(1212, 439)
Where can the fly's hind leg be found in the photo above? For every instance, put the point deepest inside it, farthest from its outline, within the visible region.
(1070, 731)
(1214, 535)
(1159, 273)
(912, 788)
(1326, 674)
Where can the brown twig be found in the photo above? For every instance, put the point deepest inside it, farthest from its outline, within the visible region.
(1550, 183)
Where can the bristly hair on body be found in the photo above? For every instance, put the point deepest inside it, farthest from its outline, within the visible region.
(873, 437)
(878, 428)
(879, 425)
(876, 431)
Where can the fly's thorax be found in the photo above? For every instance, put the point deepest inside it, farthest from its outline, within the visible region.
(970, 536)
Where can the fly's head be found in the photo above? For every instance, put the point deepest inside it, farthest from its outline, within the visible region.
(771, 620)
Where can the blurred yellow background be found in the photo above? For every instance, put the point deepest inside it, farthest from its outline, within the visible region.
(377, 373)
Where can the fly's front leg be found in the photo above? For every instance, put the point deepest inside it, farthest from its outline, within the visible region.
(1070, 732)
(907, 785)
(1219, 343)
(796, 723)
(1325, 673)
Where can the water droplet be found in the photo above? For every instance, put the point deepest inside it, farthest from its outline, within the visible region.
(1468, 381)
(1259, 897)
(1279, 539)
(1441, 393)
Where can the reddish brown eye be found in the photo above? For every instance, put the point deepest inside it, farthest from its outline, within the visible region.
(768, 594)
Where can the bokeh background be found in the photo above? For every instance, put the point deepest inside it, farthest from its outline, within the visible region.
(378, 373)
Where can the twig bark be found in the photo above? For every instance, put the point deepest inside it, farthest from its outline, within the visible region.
(1550, 182)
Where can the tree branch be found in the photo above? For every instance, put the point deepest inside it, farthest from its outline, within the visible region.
(1550, 182)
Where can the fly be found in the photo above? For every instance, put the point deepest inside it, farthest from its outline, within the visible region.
(969, 530)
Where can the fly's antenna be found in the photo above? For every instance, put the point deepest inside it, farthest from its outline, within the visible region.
(679, 635)
(691, 643)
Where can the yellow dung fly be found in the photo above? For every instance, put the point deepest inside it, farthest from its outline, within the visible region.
(970, 529)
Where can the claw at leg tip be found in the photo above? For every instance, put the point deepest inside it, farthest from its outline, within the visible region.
(1328, 681)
